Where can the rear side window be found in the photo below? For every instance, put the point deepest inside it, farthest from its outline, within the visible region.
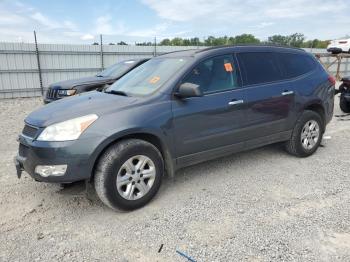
(259, 67)
(295, 65)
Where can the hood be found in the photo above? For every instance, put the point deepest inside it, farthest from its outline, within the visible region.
(87, 103)
(68, 84)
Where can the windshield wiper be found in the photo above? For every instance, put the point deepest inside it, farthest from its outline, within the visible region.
(116, 92)
(99, 75)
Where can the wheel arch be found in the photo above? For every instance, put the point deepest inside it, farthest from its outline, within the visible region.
(319, 109)
(150, 137)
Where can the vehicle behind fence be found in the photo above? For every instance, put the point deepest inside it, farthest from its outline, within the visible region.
(26, 70)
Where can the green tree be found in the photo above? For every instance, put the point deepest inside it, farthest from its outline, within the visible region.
(278, 40)
(296, 40)
(316, 43)
(177, 41)
(165, 41)
(245, 39)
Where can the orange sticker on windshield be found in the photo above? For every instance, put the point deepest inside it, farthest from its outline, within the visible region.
(228, 67)
(154, 79)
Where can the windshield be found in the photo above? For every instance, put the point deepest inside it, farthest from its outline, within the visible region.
(148, 77)
(118, 69)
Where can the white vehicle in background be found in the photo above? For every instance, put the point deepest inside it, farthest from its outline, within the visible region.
(339, 46)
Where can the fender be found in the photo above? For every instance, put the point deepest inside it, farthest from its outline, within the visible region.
(165, 143)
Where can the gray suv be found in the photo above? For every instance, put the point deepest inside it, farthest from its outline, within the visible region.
(177, 110)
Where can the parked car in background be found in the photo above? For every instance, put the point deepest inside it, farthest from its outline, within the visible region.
(339, 46)
(76, 86)
(177, 110)
(344, 90)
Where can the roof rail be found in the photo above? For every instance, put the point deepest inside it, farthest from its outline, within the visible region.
(183, 50)
(252, 45)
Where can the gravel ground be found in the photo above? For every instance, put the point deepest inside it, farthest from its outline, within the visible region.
(261, 205)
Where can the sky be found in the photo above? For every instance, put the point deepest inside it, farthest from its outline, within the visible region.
(78, 21)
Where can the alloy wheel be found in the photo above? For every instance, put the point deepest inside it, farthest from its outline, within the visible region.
(136, 177)
(310, 134)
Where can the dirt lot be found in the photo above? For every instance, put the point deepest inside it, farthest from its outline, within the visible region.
(260, 205)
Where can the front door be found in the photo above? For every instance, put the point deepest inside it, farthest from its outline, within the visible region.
(206, 127)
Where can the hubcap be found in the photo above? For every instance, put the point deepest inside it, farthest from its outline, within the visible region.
(310, 134)
(136, 177)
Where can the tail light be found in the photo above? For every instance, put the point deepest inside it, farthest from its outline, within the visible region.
(332, 80)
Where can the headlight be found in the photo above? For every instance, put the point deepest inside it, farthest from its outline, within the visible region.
(69, 92)
(67, 130)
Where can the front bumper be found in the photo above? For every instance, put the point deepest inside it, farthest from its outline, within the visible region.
(49, 100)
(77, 155)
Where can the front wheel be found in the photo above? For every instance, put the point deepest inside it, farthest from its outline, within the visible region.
(129, 174)
(306, 135)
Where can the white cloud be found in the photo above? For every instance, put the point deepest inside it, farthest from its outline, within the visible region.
(87, 37)
(264, 17)
(104, 25)
(184, 10)
(322, 19)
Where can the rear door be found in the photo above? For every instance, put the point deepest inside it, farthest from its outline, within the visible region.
(209, 126)
(268, 99)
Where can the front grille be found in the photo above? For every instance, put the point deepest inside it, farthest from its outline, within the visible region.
(22, 151)
(29, 131)
(51, 93)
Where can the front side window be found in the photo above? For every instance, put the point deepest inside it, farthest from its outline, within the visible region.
(214, 75)
(259, 68)
(148, 77)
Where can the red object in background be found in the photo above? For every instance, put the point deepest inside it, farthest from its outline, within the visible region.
(332, 79)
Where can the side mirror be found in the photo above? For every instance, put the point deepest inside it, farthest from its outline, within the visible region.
(188, 90)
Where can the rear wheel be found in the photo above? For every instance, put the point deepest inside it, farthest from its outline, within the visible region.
(344, 104)
(129, 174)
(306, 135)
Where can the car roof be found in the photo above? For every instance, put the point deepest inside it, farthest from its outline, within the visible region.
(199, 52)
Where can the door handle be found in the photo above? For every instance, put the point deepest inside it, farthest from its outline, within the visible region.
(235, 102)
(286, 93)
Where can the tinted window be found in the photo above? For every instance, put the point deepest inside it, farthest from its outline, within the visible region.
(295, 64)
(258, 67)
(215, 74)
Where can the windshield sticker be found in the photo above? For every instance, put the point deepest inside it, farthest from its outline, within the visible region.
(228, 67)
(154, 79)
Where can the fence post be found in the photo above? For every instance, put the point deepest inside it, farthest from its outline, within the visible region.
(155, 46)
(101, 53)
(39, 68)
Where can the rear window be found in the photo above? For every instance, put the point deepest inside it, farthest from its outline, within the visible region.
(259, 67)
(295, 65)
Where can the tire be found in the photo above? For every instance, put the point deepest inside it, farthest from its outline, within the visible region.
(118, 180)
(295, 146)
(344, 105)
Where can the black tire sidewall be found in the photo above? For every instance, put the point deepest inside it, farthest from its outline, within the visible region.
(343, 104)
(111, 172)
(307, 116)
